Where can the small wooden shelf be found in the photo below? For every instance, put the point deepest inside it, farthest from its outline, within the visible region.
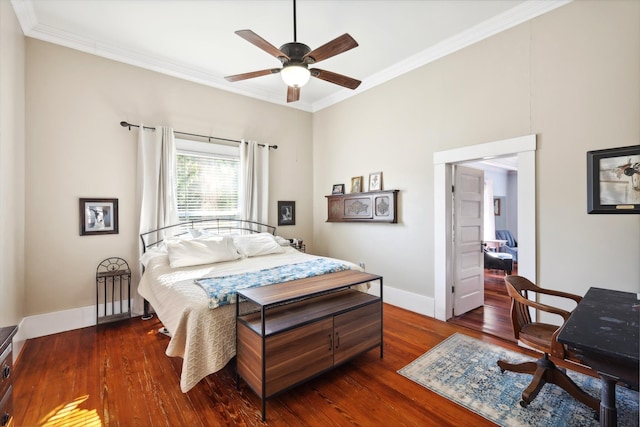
(299, 313)
(372, 206)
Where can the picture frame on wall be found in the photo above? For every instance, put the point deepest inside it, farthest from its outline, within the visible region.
(338, 189)
(98, 216)
(375, 181)
(613, 181)
(286, 213)
(496, 206)
(356, 184)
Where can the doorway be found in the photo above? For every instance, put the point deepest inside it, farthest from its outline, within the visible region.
(524, 149)
(491, 313)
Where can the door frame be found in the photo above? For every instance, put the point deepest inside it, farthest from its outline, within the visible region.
(524, 148)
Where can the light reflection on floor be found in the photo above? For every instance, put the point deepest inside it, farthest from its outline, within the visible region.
(70, 415)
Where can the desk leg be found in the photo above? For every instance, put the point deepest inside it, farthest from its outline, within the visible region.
(608, 412)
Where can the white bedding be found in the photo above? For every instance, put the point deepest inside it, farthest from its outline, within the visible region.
(203, 337)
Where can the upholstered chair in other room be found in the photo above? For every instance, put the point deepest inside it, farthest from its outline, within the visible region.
(511, 247)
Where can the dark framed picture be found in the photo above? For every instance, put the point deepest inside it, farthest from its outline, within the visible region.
(98, 216)
(286, 213)
(496, 207)
(613, 180)
(375, 181)
(338, 189)
(356, 184)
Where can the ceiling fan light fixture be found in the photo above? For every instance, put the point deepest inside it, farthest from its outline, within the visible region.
(295, 75)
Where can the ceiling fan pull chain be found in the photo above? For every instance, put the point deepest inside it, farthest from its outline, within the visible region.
(295, 32)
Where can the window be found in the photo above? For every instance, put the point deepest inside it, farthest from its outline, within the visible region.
(208, 180)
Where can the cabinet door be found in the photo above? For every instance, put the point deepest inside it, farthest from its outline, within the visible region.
(357, 331)
(298, 354)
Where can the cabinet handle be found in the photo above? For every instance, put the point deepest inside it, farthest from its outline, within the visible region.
(330, 342)
(6, 371)
(4, 420)
(337, 339)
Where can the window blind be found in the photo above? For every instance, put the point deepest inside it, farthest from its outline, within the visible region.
(208, 185)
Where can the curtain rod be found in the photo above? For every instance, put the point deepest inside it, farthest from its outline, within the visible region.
(129, 125)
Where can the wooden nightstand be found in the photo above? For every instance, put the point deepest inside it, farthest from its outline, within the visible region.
(6, 375)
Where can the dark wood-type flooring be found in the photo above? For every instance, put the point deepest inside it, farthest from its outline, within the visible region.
(118, 375)
(494, 317)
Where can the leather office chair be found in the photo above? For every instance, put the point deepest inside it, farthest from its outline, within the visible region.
(542, 337)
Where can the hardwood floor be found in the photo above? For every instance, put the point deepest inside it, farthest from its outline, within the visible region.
(492, 318)
(118, 375)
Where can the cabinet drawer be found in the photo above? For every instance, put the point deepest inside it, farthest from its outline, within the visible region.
(6, 360)
(357, 331)
(298, 354)
(6, 408)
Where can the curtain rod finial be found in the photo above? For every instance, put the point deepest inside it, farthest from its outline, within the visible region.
(125, 125)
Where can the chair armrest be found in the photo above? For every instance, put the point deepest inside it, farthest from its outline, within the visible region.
(544, 307)
(561, 294)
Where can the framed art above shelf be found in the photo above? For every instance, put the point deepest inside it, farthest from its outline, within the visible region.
(372, 206)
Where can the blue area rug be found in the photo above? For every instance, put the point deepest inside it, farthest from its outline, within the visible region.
(464, 370)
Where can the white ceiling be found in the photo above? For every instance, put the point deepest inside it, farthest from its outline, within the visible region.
(195, 40)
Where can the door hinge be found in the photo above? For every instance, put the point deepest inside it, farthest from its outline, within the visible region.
(453, 289)
(453, 188)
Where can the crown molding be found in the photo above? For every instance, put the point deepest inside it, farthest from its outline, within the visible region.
(516, 16)
(32, 28)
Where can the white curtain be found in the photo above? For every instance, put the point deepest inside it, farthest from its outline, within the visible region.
(155, 184)
(489, 215)
(254, 182)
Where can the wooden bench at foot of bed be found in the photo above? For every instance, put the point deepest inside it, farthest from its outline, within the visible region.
(302, 328)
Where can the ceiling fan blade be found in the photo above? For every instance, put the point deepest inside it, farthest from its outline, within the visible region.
(258, 41)
(335, 78)
(333, 48)
(251, 75)
(293, 94)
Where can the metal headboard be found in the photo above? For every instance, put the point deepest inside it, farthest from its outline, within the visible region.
(217, 225)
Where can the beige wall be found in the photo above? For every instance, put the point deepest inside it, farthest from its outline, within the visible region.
(569, 76)
(76, 148)
(12, 160)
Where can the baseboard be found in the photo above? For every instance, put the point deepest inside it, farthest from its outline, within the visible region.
(420, 304)
(52, 323)
(82, 317)
(62, 321)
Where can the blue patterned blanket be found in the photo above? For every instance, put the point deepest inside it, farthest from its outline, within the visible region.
(222, 290)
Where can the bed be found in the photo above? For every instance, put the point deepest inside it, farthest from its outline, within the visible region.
(188, 288)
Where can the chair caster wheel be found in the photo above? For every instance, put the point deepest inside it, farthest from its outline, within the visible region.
(523, 404)
(501, 371)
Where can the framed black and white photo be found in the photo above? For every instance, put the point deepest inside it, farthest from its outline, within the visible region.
(98, 216)
(286, 213)
(613, 180)
(338, 189)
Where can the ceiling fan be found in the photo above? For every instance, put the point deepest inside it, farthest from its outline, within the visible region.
(296, 58)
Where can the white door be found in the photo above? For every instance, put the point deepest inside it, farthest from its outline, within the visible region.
(468, 276)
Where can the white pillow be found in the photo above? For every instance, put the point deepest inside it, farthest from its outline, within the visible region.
(185, 253)
(257, 244)
(282, 241)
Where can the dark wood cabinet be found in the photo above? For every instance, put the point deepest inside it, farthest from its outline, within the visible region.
(6, 375)
(372, 206)
(302, 328)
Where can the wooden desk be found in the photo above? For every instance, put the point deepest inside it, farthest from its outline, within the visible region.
(604, 330)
